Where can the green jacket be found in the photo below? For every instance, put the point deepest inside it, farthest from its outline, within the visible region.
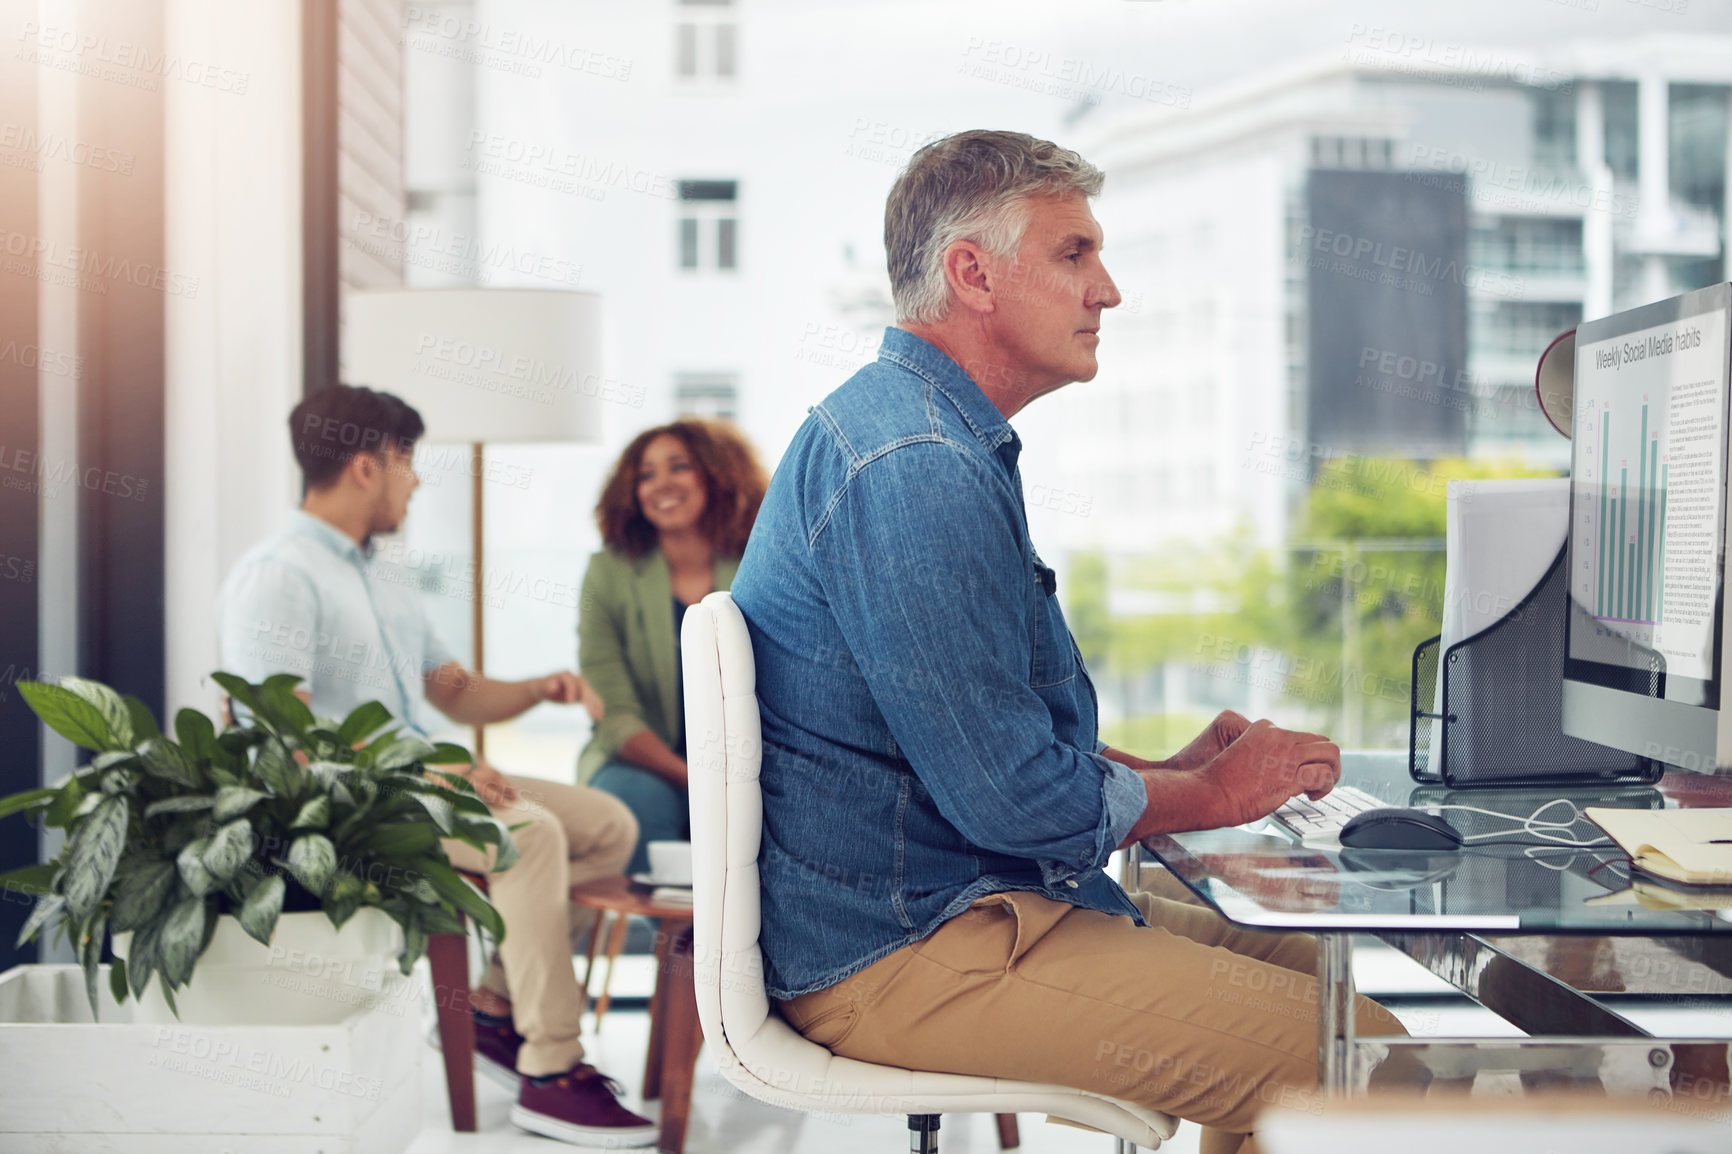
(626, 648)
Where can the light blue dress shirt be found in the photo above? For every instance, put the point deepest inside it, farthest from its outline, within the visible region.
(310, 601)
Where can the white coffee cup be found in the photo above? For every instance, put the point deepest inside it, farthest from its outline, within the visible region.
(670, 863)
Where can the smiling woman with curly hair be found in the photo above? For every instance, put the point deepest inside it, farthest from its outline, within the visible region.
(674, 517)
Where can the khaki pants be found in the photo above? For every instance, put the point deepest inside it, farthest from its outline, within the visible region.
(1191, 1016)
(573, 835)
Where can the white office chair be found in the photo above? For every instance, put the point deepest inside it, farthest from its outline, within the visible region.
(758, 1051)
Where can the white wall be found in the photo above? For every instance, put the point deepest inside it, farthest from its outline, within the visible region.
(233, 209)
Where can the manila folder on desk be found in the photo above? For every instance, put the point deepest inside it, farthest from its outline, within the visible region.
(1679, 844)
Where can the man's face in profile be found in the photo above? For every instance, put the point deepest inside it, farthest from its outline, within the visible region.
(398, 482)
(1048, 301)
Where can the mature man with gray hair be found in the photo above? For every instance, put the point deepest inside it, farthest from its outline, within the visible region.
(937, 805)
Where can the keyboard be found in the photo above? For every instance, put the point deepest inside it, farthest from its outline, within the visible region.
(1322, 820)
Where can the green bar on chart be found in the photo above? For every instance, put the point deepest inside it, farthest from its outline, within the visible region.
(1639, 584)
(1620, 600)
(1603, 602)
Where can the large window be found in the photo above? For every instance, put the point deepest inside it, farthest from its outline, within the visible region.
(1697, 145)
(1246, 504)
(1622, 135)
(1533, 244)
(707, 394)
(705, 40)
(1555, 129)
(709, 225)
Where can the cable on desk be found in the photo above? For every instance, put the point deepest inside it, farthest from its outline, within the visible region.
(1548, 830)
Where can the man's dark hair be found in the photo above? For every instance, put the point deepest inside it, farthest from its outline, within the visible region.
(336, 422)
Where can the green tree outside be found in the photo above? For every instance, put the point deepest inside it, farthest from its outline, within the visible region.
(1327, 626)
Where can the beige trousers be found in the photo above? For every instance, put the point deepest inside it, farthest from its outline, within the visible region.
(573, 834)
(1191, 1015)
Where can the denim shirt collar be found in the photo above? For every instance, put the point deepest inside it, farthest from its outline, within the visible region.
(905, 350)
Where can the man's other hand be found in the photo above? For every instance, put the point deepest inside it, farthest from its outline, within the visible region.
(491, 785)
(569, 688)
(1264, 767)
(1221, 732)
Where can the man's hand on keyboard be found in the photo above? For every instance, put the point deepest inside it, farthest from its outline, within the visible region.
(1248, 776)
(1263, 767)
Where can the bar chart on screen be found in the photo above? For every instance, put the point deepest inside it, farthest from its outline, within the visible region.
(1648, 487)
(1632, 549)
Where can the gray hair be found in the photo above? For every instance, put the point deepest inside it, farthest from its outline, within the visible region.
(972, 186)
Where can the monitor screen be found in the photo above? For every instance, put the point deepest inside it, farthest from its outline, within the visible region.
(1647, 526)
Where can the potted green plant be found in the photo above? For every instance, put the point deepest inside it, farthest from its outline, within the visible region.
(279, 812)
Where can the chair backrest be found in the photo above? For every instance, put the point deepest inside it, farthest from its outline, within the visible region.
(723, 753)
(756, 1050)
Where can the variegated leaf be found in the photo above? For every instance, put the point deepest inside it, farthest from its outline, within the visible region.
(438, 809)
(142, 890)
(164, 759)
(198, 879)
(107, 702)
(181, 940)
(259, 913)
(316, 814)
(186, 803)
(402, 751)
(234, 800)
(93, 855)
(313, 860)
(227, 849)
(46, 907)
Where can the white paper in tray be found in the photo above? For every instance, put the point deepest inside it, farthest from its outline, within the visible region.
(1502, 536)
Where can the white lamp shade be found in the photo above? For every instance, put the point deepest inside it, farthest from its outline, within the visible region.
(1555, 380)
(487, 365)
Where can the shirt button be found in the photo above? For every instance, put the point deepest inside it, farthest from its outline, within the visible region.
(1071, 884)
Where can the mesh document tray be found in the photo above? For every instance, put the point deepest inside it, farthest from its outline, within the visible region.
(1499, 717)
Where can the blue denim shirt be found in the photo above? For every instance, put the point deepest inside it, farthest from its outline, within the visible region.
(929, 730)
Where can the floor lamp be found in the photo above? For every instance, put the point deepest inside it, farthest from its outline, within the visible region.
(482, 366)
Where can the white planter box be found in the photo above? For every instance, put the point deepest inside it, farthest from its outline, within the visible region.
(310, 974)
(71, 1084)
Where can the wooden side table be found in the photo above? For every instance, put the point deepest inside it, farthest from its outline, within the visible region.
(448, 963)
(675, 1036)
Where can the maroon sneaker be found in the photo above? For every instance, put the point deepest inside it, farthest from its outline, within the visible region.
(496, 1046)
(580, 1106)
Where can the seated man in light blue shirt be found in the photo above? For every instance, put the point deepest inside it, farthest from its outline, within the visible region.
(313, 601)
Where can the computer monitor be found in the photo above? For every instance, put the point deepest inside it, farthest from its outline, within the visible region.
(1647, 542)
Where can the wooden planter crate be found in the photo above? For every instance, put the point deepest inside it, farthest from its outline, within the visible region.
(351, 1087)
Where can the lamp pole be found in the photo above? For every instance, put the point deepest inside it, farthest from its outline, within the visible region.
(478, 603)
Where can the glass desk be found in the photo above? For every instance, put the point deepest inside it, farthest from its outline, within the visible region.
(1532, 937)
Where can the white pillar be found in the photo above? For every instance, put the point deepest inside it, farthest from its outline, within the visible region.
(1653, 180)
(57, 423)
(57, 302)
(1597, 218)
(1726, 211)
(439, 95)
(233, 351)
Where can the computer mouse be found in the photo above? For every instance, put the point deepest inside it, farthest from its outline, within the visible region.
(1396, 828)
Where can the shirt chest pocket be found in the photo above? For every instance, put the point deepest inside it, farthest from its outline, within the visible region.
(1054, 656)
